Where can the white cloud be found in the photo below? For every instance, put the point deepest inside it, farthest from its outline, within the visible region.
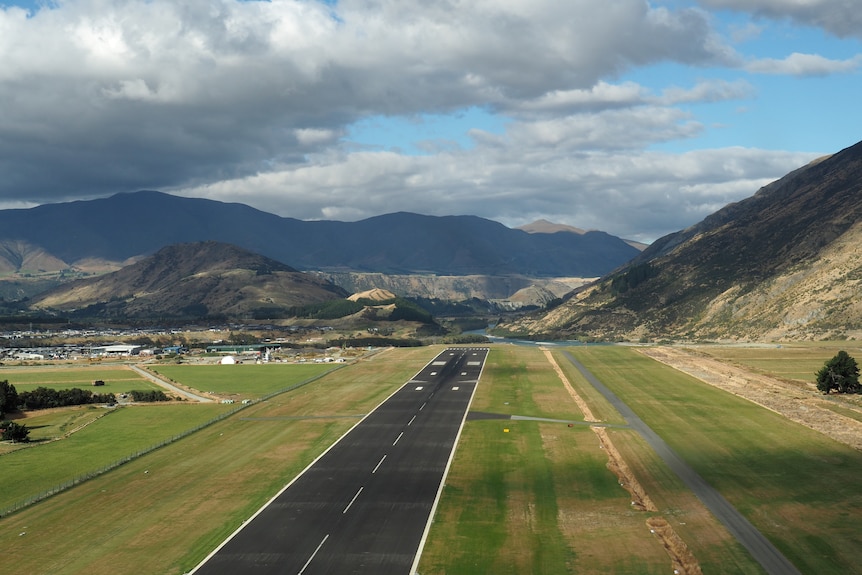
(797, 64)
(251, 101)
(634, 194)
(706, 91)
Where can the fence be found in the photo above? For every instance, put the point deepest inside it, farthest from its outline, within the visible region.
(97, 472)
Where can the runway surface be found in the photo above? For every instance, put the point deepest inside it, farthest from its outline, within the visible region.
(364, 505)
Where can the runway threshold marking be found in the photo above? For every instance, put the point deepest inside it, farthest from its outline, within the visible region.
(352, 500)
(310, 559)
(379, 463)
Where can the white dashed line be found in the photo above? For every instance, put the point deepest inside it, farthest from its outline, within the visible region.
(352, 500)
(379, 463)
(307, 563)
(397, 438)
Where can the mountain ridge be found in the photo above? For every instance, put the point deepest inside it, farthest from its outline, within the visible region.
(781, 264)
(137, 224)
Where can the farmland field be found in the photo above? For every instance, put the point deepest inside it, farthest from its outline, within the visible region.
(242, 381)
(117, 379)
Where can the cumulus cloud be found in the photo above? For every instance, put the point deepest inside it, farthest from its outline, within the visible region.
(159, 93)
(626, 192)
(253, 102)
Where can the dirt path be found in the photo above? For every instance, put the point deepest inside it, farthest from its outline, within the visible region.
(803, 406)
(171, 387)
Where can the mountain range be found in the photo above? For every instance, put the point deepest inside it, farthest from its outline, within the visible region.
(110, 231)
(785, 263)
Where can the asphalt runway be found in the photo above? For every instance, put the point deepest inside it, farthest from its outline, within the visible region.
(764, 552)
(364, 505)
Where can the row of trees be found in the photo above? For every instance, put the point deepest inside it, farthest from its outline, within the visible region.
(149, 395)
(45, 398)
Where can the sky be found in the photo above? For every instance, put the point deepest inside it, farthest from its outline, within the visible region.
(632, 117)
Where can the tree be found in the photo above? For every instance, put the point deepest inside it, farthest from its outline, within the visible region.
(840, 373)
(15, 432)
(8, 398)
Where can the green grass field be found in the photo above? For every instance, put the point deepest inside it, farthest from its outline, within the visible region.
(535, 499)
(794, 484)
(245, 381)
(795, 362)
(117, 379)
(120, 432)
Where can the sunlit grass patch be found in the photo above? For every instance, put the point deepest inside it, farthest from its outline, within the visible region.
(116, 380)
(760, 461)
(797, 362)
(121, 432)
(242, 380)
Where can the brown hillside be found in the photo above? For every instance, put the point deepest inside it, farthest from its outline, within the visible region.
(206, 278)
(784, 263)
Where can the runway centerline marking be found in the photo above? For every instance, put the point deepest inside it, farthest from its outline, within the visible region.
(310, 559)
(397, 438)
(379, 463)
(411, 420)
(352, 500)
(423, 406)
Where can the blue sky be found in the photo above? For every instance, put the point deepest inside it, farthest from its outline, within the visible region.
(631, 117)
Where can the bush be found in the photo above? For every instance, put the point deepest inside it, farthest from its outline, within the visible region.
(840, 373)
(149, 396)
(15, 432)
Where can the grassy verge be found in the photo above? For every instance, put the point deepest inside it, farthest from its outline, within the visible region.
(537, 498)
(164, 512)
(795, 485)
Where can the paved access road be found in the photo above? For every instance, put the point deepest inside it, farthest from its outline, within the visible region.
(364, 505)
(761, 548)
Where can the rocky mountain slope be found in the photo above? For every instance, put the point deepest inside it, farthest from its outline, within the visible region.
(138, 224)
(191, 280)
(782, 264)
(454, 288)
